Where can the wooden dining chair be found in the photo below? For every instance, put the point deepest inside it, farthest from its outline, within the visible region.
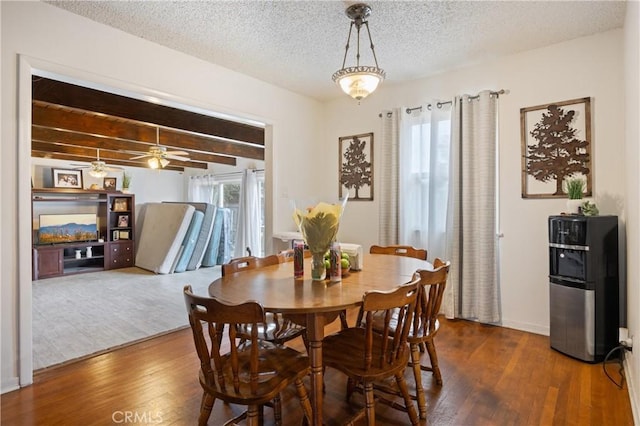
(399, 250)
(246, 263)
(277, 328)
(366, 355)
(249, 374)
(424, 329)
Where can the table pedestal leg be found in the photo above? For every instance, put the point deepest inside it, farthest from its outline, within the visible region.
(315, 334)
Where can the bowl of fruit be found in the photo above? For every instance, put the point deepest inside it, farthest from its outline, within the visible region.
(344, 263)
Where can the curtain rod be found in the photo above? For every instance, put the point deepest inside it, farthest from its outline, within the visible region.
(441, 104)
(225, 174)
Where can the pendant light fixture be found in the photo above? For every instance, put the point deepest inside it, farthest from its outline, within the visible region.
(359, 81)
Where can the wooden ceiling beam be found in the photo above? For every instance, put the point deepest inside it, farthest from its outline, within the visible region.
(66, 157)
(126, 135)
(200, 143)
(89, 154)
(55, 138)
(61, 93)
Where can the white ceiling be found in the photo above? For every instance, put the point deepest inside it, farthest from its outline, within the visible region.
(298, 45)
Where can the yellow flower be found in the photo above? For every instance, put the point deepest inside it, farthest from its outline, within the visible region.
(319, 225)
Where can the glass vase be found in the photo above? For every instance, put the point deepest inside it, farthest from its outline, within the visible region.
(318, 269)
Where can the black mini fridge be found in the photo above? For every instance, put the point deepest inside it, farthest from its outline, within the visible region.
(583, 285)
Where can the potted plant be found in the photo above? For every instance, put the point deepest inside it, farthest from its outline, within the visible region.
(126, 181)
(575, 189)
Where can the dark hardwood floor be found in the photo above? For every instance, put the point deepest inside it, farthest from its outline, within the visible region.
(492, 376)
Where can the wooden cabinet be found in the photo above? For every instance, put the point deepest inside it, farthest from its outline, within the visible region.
(47, 262)
(114, 246)
(120, 255)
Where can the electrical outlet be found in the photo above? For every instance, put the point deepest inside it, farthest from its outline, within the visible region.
(624, 339)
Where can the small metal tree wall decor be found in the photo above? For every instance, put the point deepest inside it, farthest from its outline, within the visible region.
(556, 145)
(356, 167)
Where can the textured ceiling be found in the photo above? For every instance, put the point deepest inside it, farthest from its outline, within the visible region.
(299, 44)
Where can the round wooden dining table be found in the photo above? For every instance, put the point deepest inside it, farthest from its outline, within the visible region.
(316, 302)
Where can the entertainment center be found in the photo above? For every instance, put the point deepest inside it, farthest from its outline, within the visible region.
(85, 231)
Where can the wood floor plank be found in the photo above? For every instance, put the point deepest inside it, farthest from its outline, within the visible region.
(492, 376)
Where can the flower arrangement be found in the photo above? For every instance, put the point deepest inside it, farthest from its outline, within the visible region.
(319, 227)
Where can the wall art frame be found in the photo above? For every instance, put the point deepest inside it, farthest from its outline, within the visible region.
(355, 162)
(556, 145)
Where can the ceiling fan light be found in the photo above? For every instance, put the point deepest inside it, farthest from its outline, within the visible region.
(164, 162)
(98, 173)
(153, 163)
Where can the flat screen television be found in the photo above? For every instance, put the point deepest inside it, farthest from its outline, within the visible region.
(67, 228)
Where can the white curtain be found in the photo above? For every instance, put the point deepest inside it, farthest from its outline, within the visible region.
(388, 222)
(248, 231)
(473, 289)
(424, 178)
(202, 189)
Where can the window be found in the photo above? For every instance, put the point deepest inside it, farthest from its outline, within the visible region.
(424, 179)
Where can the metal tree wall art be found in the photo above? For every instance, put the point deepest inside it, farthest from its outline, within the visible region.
(556, 145)
(356, 166)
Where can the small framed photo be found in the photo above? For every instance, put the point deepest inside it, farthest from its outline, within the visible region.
(123, 221)
(109, 183)
(63, 178)
(115, 236)
(120, 205)
(123, 235)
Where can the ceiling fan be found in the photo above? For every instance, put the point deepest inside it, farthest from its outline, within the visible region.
(99, 168)
(159, 156)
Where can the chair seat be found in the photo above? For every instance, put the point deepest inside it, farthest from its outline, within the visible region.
(416, 334)
(276, 329)
(344, 351)
(279, 366)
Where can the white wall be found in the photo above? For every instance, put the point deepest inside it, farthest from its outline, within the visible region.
(589, 66)
(56, 41)
(632, 155)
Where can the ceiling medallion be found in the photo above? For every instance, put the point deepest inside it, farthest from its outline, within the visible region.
(359, 81)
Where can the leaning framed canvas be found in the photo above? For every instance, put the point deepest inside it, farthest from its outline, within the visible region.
(556, 145)
(63, 178)
(355, 162)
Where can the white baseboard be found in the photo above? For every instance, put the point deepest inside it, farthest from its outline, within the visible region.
(633, 392)
(524, 326)
(10, 385)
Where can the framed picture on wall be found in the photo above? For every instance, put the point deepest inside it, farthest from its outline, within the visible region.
(556, 146)
(355, 162)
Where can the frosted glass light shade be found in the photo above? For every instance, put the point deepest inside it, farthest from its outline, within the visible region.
(359, 82)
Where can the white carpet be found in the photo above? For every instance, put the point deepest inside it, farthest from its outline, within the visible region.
(79, 315)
